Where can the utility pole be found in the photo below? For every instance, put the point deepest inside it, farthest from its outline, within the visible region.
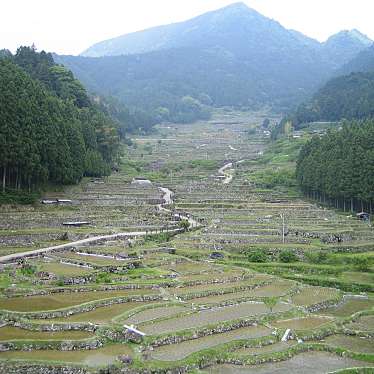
(283, 228)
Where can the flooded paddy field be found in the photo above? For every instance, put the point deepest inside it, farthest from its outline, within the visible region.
(64, 300)
(179, 351)
(306, 363)
(8, 333)
(94, 358)
(350, 306)
(212, 316)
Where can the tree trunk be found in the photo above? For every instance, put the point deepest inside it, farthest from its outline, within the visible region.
(4, 177)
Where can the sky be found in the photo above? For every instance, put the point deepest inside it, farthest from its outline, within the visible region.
(71, 26)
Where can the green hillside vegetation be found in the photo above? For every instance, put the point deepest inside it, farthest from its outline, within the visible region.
(338, 168)
(345, 97)
(50, 130)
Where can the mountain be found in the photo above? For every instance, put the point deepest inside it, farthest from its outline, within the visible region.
(363, 62)
(349, 95)
(231, 27)
(233, 56)
(345, 45)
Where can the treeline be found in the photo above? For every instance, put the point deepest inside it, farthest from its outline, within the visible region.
(346, 97)
(50, 130)
(338, 168)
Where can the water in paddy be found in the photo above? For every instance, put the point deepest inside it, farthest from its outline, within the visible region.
(179, 351)
(155, 313)
(301, 323)
(349, 307)
(352, 343)
(14, 333)
(101, 315)
(95, 357)
(271, 348)
(305, 363)
(365, 323)
(63, 300)
(211, 316)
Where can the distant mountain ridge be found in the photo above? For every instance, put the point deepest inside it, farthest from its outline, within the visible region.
(221, 27)
(232, 56)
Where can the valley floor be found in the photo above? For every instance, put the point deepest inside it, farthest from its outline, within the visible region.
(263, 281)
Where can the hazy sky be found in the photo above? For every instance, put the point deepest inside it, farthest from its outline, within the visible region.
(70, 26)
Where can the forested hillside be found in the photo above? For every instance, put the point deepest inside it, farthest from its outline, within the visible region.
(339, 167)
(350, 95)
(49, 129)
(346, 97)
(233, 57)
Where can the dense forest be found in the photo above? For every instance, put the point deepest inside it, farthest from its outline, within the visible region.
(338, 168)
(345, 97)
(50, 130)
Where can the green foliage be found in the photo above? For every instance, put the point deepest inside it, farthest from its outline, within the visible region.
(318, 257)
(257, 255)
(204, 164)
(340, 164)
(270, 178)
(361, 264)
(287, 256)
(270, 302)
(346, 97)
(28, 270)
(11, 196)
(49, 129)
(103, 278)
(184, 224)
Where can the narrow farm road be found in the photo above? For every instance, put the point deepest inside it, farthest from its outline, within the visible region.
(95, 239)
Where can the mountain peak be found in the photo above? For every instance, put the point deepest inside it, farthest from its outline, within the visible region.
(353, 35)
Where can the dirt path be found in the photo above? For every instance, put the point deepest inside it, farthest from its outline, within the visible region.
(227, 172)
(168, 197)
(95, 239)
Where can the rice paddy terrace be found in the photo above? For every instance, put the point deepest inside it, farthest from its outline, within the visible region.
(166, 299)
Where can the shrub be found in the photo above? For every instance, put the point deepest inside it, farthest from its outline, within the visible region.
(287, 256)
(103, 278)
(257, 256)
(316, 257)
(361, 264)
(28, 270)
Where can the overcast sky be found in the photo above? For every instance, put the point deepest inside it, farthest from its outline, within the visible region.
(70, 26)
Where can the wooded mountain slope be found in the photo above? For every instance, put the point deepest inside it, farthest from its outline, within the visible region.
(230, 57)
(50, 130)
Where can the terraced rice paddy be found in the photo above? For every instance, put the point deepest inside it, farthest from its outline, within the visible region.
(349, 307)
(179, 351)
(270, 348)
(306, 363)
(306, 323)
(194, 281)
(352, 343)
(96, 357)
(364, 323)
(102, 315)
(13, 333)
(213, 316)
(314, 295)
(155, 313)
(65, 300)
